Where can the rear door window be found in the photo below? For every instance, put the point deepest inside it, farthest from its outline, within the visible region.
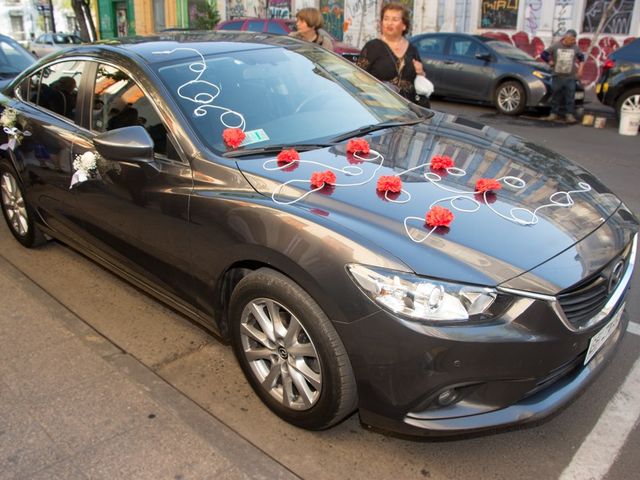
(430, 46)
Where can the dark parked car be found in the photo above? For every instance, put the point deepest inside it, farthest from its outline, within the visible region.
(52, 42)
(619, 84)
(282, 26)
(359, 252)
(13, 59)
(477, 68)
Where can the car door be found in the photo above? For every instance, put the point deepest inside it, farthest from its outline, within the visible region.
(38, 46)
(49, 119)
(135, 215)
(431, 49)
(466, 75)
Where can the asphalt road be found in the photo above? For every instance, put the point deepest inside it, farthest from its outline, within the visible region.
(205, 370)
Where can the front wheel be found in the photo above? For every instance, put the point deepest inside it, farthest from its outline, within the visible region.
(290, 352)
(510, 98)
(15, 209)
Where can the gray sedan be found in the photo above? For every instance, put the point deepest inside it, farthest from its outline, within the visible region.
(52, 42)
(477, 68)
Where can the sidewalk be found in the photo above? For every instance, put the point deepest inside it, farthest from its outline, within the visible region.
(74, 406)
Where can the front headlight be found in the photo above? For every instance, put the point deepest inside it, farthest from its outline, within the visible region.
(422, 298)
(541, 75)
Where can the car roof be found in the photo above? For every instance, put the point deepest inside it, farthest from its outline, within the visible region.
(206, 43)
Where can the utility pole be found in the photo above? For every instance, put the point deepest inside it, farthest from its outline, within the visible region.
(53, 22)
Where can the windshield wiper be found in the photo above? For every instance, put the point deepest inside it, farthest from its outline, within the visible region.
(372, 128)
(300, 147)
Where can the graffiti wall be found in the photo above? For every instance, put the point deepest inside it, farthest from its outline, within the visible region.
(333, 15)
(562, 15)
(279, 8)
(499, 14)
(360, 21)
(532, 12)
(235, 8)
(618, 22)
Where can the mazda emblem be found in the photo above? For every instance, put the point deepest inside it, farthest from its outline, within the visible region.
(616, 276)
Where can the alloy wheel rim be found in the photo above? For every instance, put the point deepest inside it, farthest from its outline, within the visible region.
(281, 354)
(13, 205)
(509, 98)
(631, 104)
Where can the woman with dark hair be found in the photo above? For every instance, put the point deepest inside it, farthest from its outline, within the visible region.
(309, 24)
(391, 58)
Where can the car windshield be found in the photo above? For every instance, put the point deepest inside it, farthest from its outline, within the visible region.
(13, 58)
(278, 96)
(509, 51)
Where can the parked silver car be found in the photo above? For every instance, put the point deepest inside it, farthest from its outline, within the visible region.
(52, 42)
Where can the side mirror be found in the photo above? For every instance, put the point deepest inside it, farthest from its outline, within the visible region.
(484, 56)
(127, 144)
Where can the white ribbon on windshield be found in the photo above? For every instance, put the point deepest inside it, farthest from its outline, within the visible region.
(204, 99)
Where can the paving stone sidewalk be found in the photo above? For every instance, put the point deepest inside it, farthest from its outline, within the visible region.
(74, 406)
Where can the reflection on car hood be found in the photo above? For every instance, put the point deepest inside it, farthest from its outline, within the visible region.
(484, 244)
(534, 64)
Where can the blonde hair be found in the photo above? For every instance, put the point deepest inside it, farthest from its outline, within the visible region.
(311, 16)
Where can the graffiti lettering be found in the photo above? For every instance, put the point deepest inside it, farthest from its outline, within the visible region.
(562, 17)
(499, 13)
(617, 23)
(532, 16)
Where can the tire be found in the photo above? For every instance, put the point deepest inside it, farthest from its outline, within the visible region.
(510, 98)
(629, 100)
(18, 215)
(299, 368)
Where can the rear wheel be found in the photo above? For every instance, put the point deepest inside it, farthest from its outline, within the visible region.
(15, 210)
(290, 351)
(629, 101)
(510, 98)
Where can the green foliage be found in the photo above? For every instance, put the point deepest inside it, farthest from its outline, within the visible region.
(208, 16)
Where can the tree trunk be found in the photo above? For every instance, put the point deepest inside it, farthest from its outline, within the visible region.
(85, 20)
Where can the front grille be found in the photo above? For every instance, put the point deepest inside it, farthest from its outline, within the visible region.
(584, 300)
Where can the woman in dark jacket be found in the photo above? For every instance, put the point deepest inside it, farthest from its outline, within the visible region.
(391, 58)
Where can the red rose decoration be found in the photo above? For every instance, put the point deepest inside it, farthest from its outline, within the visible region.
(440, 162)
(439, 217)
(358, 145)
(389, 183)
(288, 160)
(487, 185)
(321, 179)
(233, 137)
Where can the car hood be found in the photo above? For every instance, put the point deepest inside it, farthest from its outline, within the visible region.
(535, 65)
(484, 244)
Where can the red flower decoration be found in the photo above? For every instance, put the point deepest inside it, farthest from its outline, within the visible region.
(233, 137)
(358, 145)
(441, 162)
(439, 217)
(321, 179)
(487, 185)
(390, 183)
(288, 160)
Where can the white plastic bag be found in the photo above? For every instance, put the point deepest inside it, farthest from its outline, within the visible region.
(423, 85)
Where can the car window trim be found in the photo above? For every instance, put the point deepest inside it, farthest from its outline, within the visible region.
(90, 88)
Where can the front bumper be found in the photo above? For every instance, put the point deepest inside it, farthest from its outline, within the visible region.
(517, 371)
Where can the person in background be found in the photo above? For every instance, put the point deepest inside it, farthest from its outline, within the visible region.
(391, 58)
(309, 24)
(563, 57)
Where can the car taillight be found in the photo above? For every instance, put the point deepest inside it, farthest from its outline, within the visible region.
(609, 64)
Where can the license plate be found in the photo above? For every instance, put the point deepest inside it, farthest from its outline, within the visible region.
(579, 95)
(599, 339)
